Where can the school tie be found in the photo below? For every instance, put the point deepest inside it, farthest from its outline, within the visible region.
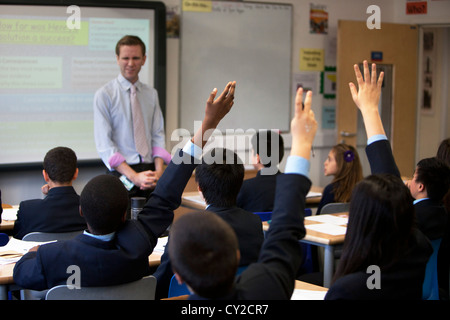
(140, 139)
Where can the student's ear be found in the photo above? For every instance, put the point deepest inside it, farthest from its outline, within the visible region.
(79, 209)
(258, 159)
(45, 174)
(238, 254)
(421, 187)
(75, 176)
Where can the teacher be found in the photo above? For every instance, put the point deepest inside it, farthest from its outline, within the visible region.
(128, 123)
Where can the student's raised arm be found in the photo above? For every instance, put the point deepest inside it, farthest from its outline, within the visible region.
(367, 97)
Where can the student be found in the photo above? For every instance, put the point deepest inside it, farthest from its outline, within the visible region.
(204, 250)
(59, 210)
(219, 178)
(430, 183)
(113, 122)
(1, 208)
(343, 164)
(257, 194)
(219, 181)
(381, 232)
(114, 250)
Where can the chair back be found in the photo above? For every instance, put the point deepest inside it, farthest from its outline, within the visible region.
(142, 289)
(430, 287)
(51, 236)
(265, 216)
(335, 207)
(176, 289)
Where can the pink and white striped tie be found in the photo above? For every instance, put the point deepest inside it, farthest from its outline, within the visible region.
(140, 139)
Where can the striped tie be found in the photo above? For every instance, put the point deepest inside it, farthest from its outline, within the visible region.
(140, 139)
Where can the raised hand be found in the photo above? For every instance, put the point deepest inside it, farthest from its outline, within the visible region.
(303, 125)
(367, 97)
(215, 111)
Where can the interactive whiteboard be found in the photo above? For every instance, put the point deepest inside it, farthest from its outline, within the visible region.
(54, 55)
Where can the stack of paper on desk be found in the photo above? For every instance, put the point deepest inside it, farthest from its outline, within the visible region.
(15, 249)
(328, 224)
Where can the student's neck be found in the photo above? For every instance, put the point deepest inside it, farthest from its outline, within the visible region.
(53, 184)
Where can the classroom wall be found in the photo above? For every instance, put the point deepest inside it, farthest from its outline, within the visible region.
(302, 38)
(19, 185)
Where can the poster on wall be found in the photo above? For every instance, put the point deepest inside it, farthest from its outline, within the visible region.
(428, 52)
(318, 19)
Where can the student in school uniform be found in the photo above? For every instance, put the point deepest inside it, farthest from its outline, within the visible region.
(344, 165)
(204, 250)
(219, 178)
(384, 254)
(59, 210)
(257, 194)
(429, 184)
(114, 250)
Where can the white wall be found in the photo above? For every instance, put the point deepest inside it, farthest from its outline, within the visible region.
(24, 184)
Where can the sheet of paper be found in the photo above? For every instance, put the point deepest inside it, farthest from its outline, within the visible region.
(301, 294)
(161, 245)
(327, 218)
(10, 214)
(312, 194)
(327, 228)
(15, 248)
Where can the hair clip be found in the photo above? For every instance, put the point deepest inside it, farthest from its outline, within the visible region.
(349, 156)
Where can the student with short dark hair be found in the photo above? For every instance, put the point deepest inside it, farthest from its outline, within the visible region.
(219, 178)
(381, 231)
(209, 271)
(430, 183)
(258, 194)
(114, 250)
(59, 210)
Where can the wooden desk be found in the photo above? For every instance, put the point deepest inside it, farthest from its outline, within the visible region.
(308, 286)
(328, 241)
(7, 225)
